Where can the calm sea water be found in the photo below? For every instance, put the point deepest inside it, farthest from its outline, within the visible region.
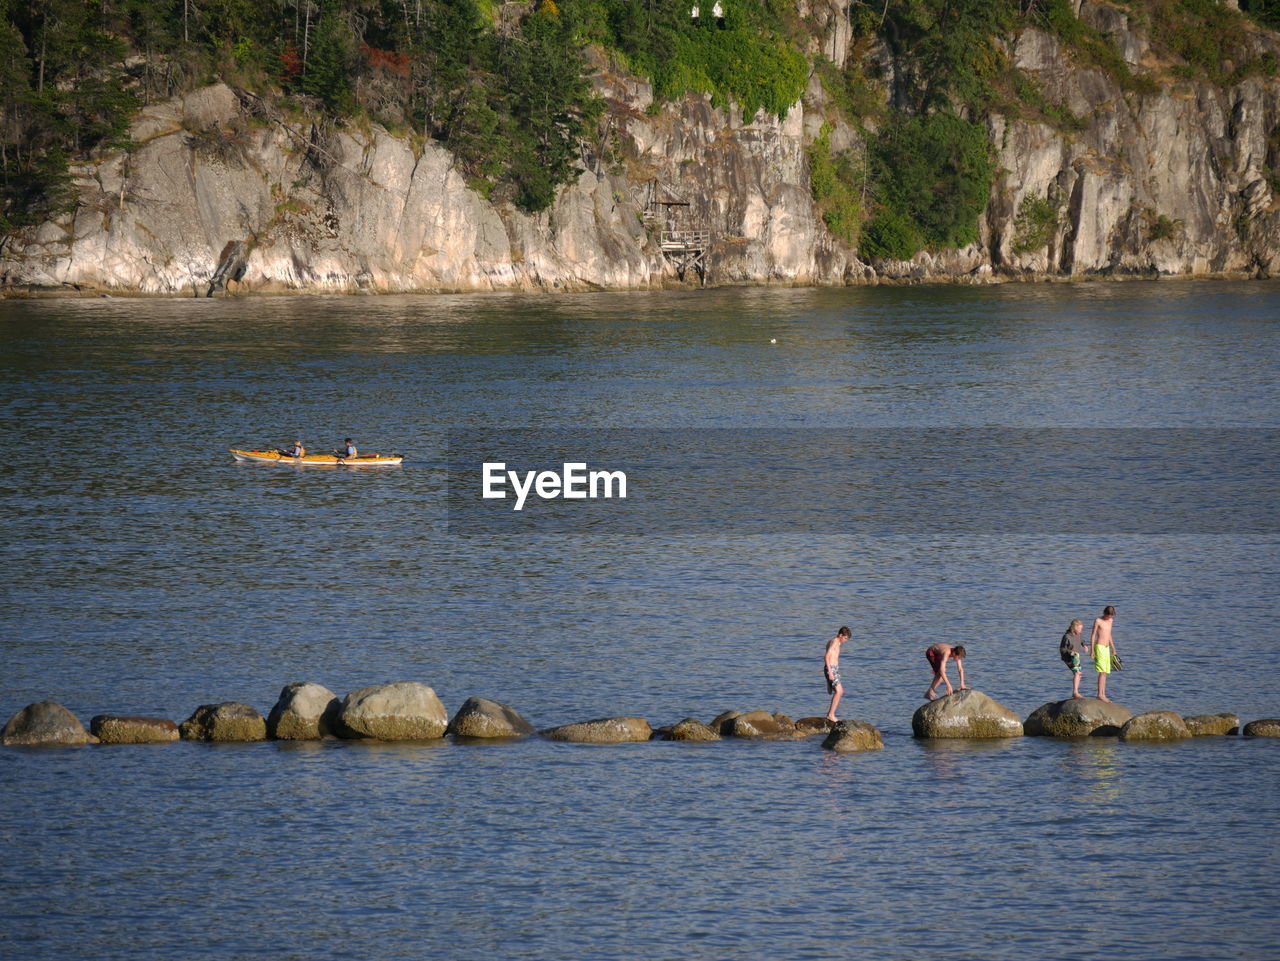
(146, 572)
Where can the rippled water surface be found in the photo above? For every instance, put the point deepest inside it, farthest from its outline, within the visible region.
(145, 572)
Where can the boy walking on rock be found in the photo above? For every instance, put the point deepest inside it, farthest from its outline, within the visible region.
(831, 670)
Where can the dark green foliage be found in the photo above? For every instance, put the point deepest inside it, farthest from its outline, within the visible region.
(948, 49)
(851, 92)
(548, 98)
(1163, 228)
(328, 70)
(1035, 224)
(1204, 33)
(836, 182)
(932, 176)
(58, 98)
(1089, 46)
(746, 58)
(892, 235)
(1265, 12)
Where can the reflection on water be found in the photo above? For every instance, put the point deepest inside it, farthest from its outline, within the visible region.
(1095, 762)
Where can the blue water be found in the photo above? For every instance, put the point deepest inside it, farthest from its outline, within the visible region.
(146, 572)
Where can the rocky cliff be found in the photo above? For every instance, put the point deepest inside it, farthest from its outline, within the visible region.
(1172, 182)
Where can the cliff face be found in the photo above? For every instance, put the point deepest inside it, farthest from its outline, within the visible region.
(1171, 183)
(1174, 183)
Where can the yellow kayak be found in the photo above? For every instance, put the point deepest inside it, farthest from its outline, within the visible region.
(317, 460)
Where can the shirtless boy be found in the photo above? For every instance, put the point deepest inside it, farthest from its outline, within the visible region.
(831, 670)
(1103, 647)
(937, 656)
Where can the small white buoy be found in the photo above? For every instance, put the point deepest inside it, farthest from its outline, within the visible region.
(773, 340)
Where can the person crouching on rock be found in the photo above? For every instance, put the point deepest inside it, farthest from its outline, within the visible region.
(1070, 649)
(937, 656)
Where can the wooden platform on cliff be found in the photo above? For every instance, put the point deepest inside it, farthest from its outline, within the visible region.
(681, 242)
(686, 249)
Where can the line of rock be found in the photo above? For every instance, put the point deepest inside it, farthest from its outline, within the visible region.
(411, 711)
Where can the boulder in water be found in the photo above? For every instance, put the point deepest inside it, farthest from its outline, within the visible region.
(1154, 726)
(763, 726)
(405, 711)
(45, 722)
(304, 712)
(722, 724)
(809, 726)
(481, 717)
(1077, 717)
(120, 729)
(690, 729)
(848, 736)
(1266, 727)
(965, 714)
(605, 730)
(227, 721)
(1204, 725)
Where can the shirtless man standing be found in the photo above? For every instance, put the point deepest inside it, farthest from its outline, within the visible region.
(937, 656)
(1103, 647)
(831, 670)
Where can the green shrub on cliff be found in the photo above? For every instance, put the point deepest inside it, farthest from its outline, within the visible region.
(744, 56)
(836, 182)
(933, 176)
(1035, 225)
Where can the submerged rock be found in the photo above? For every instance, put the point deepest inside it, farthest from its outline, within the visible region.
(1203, 725)
(848, 736)
(1154, 726)
(605, 730)
(763, 726)
(227, 721)
(1266, 727)
(809, 726)
(965, 714)
(119, 729)
(405, 711)
(481, 717)
(722, 724)
(690, 729)
(1077, 717)
(45, 722)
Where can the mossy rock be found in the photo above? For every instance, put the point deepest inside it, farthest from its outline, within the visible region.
(1265, 727)
(1206, 725)
(605, 730)
(228, 721)
(846, 737)
(690, 729)
(1077, 717)
(45, 723)
(304, 712)
(482, 718)
(1154, 726)
(965, 714)
(404, 711)
(118, 729)
(809, 726)
(763, 726)
(722, 723)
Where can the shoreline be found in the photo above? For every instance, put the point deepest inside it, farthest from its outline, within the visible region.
(983, 279)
